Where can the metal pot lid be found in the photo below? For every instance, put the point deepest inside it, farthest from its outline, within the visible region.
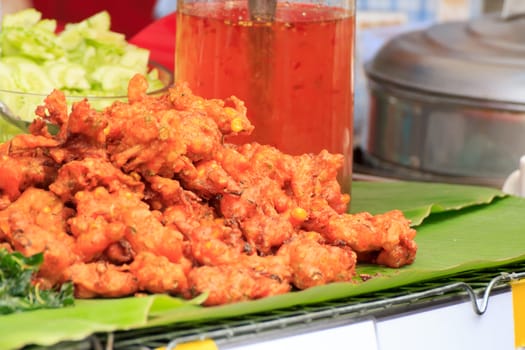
(481, 59)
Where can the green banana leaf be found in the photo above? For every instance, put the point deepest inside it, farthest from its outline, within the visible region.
(461, 228)
(417, 200)
(476, 238)
(50, 326)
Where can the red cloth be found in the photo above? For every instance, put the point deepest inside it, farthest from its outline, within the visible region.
(159, 38)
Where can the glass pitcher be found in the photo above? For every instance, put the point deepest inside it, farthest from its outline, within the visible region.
(291, 62)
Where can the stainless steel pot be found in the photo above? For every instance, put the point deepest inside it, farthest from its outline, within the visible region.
(450, 100)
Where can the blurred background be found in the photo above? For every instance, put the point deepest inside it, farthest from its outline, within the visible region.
(381, 20)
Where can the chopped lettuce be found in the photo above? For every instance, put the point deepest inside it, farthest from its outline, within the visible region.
(85, 59)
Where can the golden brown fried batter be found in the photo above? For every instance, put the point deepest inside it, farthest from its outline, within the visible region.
(214, 243)
(35, 223)
(229, 115)
(234, 282)
(148, 196)
(265, 225)
(101, 279)
(104, 218)
(89, 173)
(87, 122)
(156, 274)
(313, 262)
(385, 239)
(17, 173)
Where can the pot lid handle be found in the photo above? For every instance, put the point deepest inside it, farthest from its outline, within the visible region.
(512, 9)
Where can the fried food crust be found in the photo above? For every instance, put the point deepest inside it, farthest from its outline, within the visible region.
(149, 196)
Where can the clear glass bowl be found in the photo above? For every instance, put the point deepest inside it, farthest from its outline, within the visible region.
(24, 104)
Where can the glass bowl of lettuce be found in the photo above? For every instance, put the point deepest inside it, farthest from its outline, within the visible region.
(84, 60)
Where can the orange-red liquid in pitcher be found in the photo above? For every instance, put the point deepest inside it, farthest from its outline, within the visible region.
(294, 73)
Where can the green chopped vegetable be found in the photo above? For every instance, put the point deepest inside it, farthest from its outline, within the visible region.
(17, 291)
(86, 59)
(70, 60)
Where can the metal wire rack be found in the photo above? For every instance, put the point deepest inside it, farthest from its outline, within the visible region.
(476, 286)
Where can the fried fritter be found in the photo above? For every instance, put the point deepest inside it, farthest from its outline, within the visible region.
(101, 279)
(314, 263)
(157, 274)
(36, 223)
(148, 196)
(239, 281)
